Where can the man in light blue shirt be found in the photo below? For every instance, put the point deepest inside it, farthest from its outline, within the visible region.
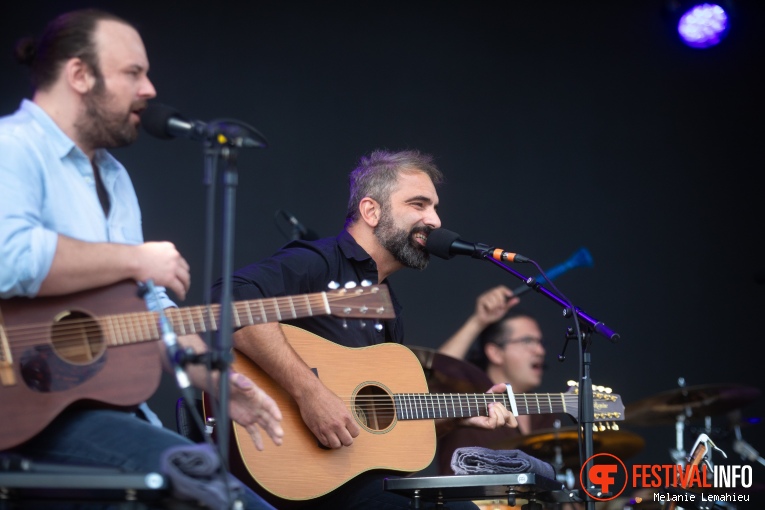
(70, 221)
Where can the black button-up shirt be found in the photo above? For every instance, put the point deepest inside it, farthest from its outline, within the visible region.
(303, 267)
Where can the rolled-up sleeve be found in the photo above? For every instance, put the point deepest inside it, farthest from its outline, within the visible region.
(27, 248)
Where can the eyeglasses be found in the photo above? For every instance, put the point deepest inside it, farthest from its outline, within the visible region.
(526, 341)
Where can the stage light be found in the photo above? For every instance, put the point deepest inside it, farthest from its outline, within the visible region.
(703, 25)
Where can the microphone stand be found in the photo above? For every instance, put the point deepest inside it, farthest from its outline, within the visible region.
(589, 325)
(222, 141)
(224, 345)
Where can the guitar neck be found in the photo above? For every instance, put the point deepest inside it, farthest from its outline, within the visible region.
(428, 406)
(143, 326)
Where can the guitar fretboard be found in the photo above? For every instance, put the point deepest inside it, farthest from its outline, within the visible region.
(140, 327)
(423, 406)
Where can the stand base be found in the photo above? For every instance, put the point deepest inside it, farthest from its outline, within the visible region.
(441, 489)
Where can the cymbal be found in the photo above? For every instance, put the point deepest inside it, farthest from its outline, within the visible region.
(700, 401)
(542, 444)
(446, 374)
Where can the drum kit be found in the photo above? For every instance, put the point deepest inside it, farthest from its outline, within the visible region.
(560, 445)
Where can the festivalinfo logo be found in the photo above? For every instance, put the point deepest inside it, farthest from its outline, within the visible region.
(608, 477)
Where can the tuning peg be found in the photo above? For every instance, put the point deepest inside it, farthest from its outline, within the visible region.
(363, 324)
(378, 326)
(333, 285)
(350, 285)
(366, 283)
(345, 324)
(572, 383)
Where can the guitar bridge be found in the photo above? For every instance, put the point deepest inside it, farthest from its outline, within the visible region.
(7, 377)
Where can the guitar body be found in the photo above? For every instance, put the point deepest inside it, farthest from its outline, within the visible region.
(56, 351)
(59, 356)
(300, 468)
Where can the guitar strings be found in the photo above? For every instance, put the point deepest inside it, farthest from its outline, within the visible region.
(141, 326)
(447, 405)
(446, 399)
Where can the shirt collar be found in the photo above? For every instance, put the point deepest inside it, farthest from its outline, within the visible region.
(352, 250)
(61, 143)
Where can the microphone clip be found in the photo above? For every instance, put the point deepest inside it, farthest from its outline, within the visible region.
(175, 355)
(232, 132)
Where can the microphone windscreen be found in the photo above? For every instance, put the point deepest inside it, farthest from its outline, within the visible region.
(440, 241)
(155, 117)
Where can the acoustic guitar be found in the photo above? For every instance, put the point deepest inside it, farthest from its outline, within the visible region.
(57, 351)
(385, 390)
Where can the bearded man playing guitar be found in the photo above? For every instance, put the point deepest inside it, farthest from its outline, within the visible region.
(69, 222)
(391, 211)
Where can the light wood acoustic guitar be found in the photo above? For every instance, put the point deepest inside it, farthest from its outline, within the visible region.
(385, 389)
(57, 351)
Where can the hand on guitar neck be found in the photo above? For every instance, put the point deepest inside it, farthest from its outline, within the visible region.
(497, 415)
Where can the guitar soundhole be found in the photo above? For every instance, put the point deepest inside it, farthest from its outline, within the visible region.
(77, 338)
(374, 408)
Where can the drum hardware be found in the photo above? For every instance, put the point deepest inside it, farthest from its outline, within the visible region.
(679, 407)
(678, 454)
(689, 401)
(544, 444)
(744, 449)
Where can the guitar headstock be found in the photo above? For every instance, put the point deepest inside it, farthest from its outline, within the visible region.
(608, 406)
(365, 301)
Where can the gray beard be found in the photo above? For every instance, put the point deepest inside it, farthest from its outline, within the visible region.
(400, 244)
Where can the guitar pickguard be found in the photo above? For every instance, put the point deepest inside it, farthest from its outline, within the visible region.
(76, 352)
(43, 371)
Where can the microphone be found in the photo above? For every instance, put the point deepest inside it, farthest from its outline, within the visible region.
(446, 244)
(299, 231)
(166, 123)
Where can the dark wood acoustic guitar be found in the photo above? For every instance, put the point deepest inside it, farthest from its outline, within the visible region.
(98, 346)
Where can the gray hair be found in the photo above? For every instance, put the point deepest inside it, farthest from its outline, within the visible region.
(376, 176)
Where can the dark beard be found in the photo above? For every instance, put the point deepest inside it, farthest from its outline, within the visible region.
(401, 244)
(103, 129)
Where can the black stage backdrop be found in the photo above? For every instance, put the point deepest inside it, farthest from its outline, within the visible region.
(558, 125)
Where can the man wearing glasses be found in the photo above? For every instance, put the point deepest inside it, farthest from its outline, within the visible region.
(510, 350)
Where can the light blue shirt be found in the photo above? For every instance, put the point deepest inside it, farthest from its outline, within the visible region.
(47, 187)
